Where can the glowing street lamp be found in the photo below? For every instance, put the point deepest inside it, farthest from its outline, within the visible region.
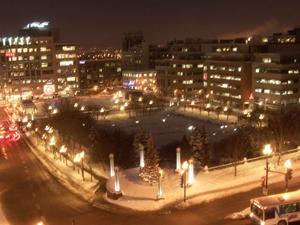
(267, 151)
(76, 105)
(102, 110)
(151, 102)
(140, 99)
(159, 190)
(79, 158)
(185, 166)
(82, 108)
(191, 172)
(288, 173)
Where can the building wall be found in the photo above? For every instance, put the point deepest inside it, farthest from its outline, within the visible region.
(100, 72)
(29, 64)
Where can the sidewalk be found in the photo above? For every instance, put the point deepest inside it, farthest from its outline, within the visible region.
(208, 186)
(66, 174)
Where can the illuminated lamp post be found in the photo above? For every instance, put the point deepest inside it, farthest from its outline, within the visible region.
(63, 149)
(159, 190)
(111, 165)
(288, 173)
(184, 178)
(190, 172)
(261, 118)
(142, 156)
(267, 151)
(178, 159)
(117, 180)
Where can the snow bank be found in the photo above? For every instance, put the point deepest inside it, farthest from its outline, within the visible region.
(239, 215)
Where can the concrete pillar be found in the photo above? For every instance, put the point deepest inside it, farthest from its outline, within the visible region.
(117, 180)
(142, 156)
(178, 159)
(111, 165)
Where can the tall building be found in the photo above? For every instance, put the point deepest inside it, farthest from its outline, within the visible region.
(181, 72)
(138, 62)
(275, 80)
(228, 72)
(34, 64)
(100, 68)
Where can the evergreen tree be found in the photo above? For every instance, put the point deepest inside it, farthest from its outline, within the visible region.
(140, 140)
(199, 144)
(150, 172)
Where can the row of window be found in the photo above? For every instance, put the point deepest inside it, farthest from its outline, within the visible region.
(276, 92)
(225, 77)
(276, 82)
(226, 68)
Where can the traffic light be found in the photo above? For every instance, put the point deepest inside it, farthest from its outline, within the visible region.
(289, 174)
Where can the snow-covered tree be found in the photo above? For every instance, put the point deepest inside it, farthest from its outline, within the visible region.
(199, 144)
(150, 172)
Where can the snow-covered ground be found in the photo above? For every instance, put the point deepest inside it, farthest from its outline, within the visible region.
(207, 186)
(167, 127)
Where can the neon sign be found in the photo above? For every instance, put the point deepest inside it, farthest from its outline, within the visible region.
(37, 25)
(10, 54)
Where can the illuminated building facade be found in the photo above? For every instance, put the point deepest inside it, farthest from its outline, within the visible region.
(276, 80)
(33, 65)
(181, 72)
(142, 80)
(228, 72)
(100, 68)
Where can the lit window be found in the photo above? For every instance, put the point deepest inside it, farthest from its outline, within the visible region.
(66, 63)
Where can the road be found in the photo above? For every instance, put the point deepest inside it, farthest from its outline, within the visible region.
(28, 193)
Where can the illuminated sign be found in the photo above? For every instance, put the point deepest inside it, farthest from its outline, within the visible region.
(37, 25)
(15, 41)
(10, 54)
(81, 62)
(49, 89)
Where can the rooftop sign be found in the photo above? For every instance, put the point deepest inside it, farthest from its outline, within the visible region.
(37, 25)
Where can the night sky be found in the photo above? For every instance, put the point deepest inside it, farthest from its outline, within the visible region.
(101, 23)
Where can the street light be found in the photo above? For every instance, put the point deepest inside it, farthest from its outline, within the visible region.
(288, 173)
(63, 149)
(159, 191)
(267, 151)
(185, 166)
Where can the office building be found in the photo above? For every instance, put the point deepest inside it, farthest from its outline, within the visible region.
(35, 65)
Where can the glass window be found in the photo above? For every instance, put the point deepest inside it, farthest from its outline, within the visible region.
(269, 213)
(257, 211)
(288, 208)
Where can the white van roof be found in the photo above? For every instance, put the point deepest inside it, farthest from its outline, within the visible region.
(283, 198)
